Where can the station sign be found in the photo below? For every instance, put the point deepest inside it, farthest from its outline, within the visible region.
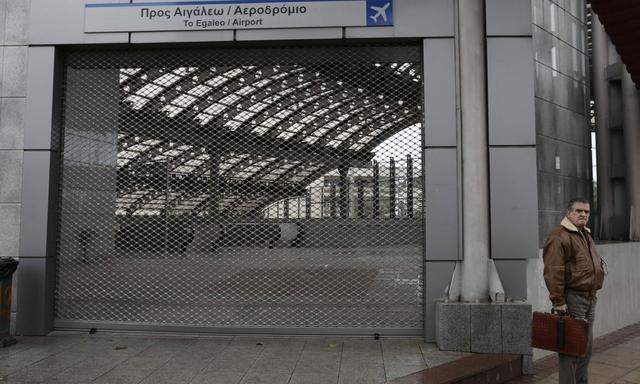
(235, 14)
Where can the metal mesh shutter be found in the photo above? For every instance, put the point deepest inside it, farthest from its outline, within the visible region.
(243, 188)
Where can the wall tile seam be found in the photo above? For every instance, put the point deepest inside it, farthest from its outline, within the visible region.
(558, 34)
(565, 75)
(530, 36)
(568, 12)
(584, 83)
(47, 150)
(563, 176)
(13, 45)
(570, 45)
(4, 21)
(557, 139)
(551, 210)
(561, 106)
(567, 44)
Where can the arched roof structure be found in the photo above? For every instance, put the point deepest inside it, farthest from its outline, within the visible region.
(268, 130)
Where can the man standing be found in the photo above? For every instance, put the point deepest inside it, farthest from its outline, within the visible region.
(573, 272)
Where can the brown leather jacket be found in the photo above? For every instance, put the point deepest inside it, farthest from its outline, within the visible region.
(571, 263)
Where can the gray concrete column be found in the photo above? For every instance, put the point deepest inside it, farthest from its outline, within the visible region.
(631, 127)
(38, 223)
(603, 135)
(475, 177)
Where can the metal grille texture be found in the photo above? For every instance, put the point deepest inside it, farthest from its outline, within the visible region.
(237, 188)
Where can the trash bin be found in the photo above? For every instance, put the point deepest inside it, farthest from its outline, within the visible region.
(7, 268)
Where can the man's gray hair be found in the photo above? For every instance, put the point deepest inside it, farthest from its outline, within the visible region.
(576, 200)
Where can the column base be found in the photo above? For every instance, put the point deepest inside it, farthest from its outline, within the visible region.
(503, 328)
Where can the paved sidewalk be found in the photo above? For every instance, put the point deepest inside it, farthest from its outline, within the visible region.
(616, 360)
(119, 358)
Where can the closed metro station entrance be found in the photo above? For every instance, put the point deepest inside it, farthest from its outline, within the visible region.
(242, 189)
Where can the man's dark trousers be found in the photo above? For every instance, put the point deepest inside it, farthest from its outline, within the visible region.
(573, 370)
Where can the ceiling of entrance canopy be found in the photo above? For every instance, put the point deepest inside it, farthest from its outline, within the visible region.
(621, 20)
(270, 129)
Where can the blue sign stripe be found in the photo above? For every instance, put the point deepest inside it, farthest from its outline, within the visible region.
(205, 2)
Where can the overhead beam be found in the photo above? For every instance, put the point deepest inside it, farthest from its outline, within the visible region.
(154, 126)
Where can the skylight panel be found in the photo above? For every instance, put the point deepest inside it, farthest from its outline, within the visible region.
(233, 124)
(137, 102)
(184, 101)
(245, 90)
(233, 72)
(167, 79)
(149, 90)
(270, 122)
(284, 113)
(257, 107)
(308, 119)
(216, 81)
(229, 99)
(199, 90)
(172, 110)
(244, 116)
(215, 109)
(261, 83)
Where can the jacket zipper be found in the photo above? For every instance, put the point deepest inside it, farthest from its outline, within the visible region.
(593, 263)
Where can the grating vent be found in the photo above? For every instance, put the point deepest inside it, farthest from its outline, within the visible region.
(270, 188)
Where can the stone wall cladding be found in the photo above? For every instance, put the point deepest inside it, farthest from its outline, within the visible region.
(562, 107)
(14, 20)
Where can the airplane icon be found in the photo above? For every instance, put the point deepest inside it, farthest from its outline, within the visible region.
(381, 11)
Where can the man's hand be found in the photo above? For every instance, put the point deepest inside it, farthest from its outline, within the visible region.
(561, 309)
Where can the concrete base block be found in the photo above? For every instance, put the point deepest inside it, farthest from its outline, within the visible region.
(527, 365)
(516, 328)
(453, 327)
(486, 328)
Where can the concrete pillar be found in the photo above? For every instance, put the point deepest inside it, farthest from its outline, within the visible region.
(409, 186)
(376, 190)
(631, 127)
(603, 135)
(392, 188)
(344, 191)
(475, 177)
(215, 184)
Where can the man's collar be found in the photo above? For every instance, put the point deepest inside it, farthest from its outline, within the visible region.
(571, 227)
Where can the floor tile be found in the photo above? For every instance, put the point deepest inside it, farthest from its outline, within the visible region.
(361, 374)
(266, 378)
(395, 371)
(138, 359)
(633, 376)
(314, 379)
(218, 377)
(116, 378)
(618, 359)
(599, 379)
(611, 372)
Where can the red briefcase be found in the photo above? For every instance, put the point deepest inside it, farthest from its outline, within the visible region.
(562, 334)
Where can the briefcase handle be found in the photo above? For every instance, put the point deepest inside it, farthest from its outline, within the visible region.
(559, 313)
(560, 330)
